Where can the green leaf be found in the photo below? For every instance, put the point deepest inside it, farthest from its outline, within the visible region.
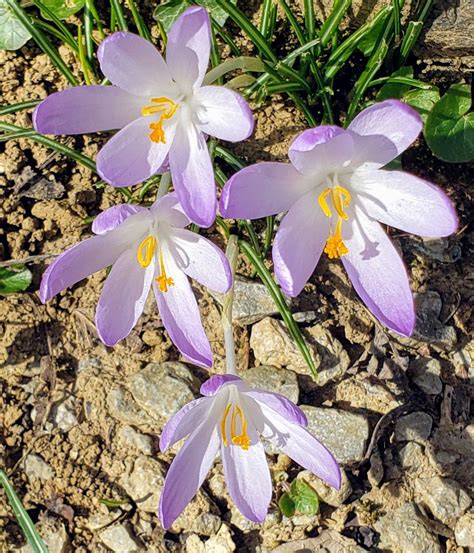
(395, 90)
(422, 100)
(13, 34)
(14, 279)
(169, 12)
(449, 129)
(62, 9)
(286, 504)
(304, 498)
(366, 44)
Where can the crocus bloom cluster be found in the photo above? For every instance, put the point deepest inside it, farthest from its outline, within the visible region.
(231, 418)
(162, 109)
(147, 248)
(336, 194)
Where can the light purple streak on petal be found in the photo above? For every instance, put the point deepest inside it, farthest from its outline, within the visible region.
(201, 260)
(123, 297)
(179, 312)
(130, 156)
(215, 383)
(114, 216)
(188, 48)
(378, 274)
(262, 189)
(395, 126)
(85, 109)
(405, 202)
(299, 243)
(223, 113)
(248, 478)
(321, 150)
(193, 175)
(184, 422)
(135, 65)
(296, 442)
(280, 404)
(168, 208)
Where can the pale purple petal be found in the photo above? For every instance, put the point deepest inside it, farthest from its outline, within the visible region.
(262, 189)
(123, 297)
(378, 274)
(179, 312)
(299, 243)
(405, 202)
(85, 109)
(170, 210)
(184, 422)
(321, 150)
(114, 216)
(135, 65)
(193, 175)
(201, 260)
(223, 113)
(188, 48)
(215, 383)
(280, 404)
(131, 156)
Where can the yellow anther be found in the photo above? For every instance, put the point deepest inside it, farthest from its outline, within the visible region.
(223, 425)
(167, 108)
(335, 247)
(341, 198)
(242, 439)
(146, 250)
(323, 202)
(164, 281)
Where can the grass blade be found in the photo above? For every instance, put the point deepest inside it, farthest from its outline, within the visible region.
(119, 15)
(143, 30)
(331, 24)
(13, 108)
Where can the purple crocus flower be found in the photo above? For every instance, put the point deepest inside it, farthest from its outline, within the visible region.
(146, 248)
(161, 108)
(336, 194)
(231, 418)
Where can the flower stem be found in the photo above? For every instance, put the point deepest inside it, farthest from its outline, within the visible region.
(165, 182)
(232, 252)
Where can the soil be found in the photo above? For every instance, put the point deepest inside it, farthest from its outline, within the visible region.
(50, 353)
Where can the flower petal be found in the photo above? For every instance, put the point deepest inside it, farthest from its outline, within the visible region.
(262, 189)
(321, 150)
(131, 156)
(193, 175)
(196, 255)
(135, 65)
(215, 383)
(170, 210)
(123, 297)
(405, 202)
(114, 216)
(248, 478)
(184, 422)
(388, 129)
(188, 48)
(224, 114)
(299, 243)
(280, 404)
(85, 109)
(179, 312)
(378, 274)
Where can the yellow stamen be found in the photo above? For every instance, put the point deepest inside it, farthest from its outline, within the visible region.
(323, 202)
(166, 108)
(164, 282)
(341, 198)
(146, 250)
(223, 425)
(335, 247)
(242, 439)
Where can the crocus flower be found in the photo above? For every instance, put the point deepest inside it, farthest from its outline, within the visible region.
(147, 248)
(161, 108)
(336, 194)
(231, 418)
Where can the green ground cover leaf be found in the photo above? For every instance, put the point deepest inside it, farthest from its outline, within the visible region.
(14, 279)
(13, 34)
(62, 9)
(169, 12)
(422, 100)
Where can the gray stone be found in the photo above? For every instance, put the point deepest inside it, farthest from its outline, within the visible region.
(63, 414)
(404, 531)
(464, 530)
(428, 327)
(54, 536)
(143, 483)
(334, 358)
(329, 541)
(206, 524)
(444, 497)
(326, 493)
(132, 438)
(463, 360)
(344, 433)
(124, 408)
(375, 473)
(222, 542)
(36, 467)
(120, 539)
(441, 249)
(426, 374)
(413, 427)
(281, 381)
(412, 456)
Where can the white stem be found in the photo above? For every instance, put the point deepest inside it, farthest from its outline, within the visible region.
(231, 253)
(165, 182)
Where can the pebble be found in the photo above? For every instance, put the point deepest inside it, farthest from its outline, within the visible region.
(329, 541)
(206, 524)
(425, 373)
(444, 497)
(124, 408)
(54, 535)
(344, 433)
(143, 483)
(415, 426)
(334, 358)
(403, 531)
(428, 327)
(464, 530)
(222, 542)
(412, 456)
(326, 493)
(120, 539)
(36, 467)
(132, 438)
(63, 414)
(463, 360)
(272, 379)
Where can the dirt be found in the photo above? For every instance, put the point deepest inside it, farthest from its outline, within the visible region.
(51, 353)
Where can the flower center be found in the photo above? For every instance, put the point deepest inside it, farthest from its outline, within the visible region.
(340, 198)
(166, 108)
(241, 439)
(145, 253)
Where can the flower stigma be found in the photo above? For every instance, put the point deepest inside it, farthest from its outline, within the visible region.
(341, 198)
(166, 108)
(241, 439)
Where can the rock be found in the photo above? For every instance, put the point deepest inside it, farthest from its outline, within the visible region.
(463, 360)
(161, 389)
(444, 497)
(412, 456)
(120, 539)
(326, 493)
(220, 543)
(415, 426)
(36, 467)
(199, 506)
(369, 393)
(132, 438)
(334, 358)
(404, 531)
(245, 525)
(206, 524)
(193, 544)
(428, 327)
(441, 249)
(54, 535)
(63, 414)
(426, 372)
(329, 541)
(144, 482)
(281, 381)
(344, 433)
(124, 408)
(375, 473)
(273, 345)
(464, 530)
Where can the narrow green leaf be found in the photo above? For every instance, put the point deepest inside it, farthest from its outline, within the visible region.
(143, 30)
(13, 33)
(331, 24)
(394, 88)
(13, 108)
(370, 39)
(14, 279)
(120, 16)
